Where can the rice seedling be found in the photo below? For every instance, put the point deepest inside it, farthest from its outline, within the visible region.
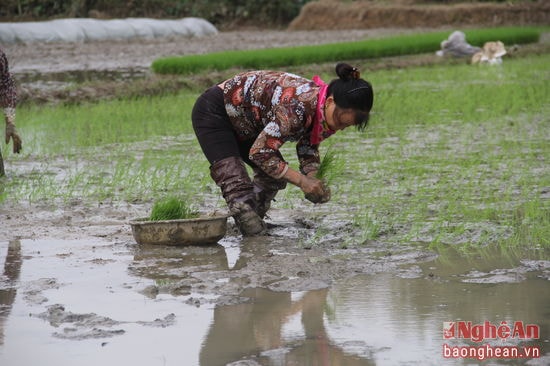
(328, 167)
(172, 208)
(105, 124)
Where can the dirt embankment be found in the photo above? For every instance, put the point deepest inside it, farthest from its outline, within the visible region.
(367, 15)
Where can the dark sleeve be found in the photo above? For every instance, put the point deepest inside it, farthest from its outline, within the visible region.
(308, 155)
(8, 94)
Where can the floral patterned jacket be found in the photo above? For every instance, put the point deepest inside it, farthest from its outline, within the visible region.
(8, 95)
(271, 108)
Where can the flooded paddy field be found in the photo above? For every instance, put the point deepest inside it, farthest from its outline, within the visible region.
(75, 285)
(257, 302)
(439, 221)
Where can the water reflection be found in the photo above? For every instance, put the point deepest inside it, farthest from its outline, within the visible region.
(82, 76)
(274, 329)
(8, 280)
(385, 319)
(165, 263)
(400, 320)
(76, 304)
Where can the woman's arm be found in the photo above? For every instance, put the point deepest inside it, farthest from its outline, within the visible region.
(8, 100)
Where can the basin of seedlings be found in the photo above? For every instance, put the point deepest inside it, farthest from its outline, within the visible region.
(173, 222)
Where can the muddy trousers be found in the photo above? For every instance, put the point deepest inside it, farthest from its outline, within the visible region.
(227, 155)
(265, 189)
(237, 189)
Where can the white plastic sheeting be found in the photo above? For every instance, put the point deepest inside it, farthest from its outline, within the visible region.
(88, 29)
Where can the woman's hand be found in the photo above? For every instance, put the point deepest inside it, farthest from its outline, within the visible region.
(11, 134)
(315, 190)
(320, 192)
(312, 186)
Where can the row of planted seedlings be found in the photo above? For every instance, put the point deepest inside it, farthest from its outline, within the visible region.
(335, 52)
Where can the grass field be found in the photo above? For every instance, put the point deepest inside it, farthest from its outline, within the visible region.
(455, 154)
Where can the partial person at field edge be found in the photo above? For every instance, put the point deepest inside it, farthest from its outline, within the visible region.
(8, 100)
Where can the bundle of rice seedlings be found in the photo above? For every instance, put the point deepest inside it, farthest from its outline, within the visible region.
(172, 208)
(328, 168)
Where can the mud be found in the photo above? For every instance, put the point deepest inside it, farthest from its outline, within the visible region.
(290, 258)
(293, 256)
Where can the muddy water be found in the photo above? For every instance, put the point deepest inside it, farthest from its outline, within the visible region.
(70, 302)
(61, 80)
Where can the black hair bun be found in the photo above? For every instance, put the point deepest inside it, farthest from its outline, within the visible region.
(346, 72)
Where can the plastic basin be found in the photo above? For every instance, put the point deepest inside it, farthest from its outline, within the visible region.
(206, 229)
